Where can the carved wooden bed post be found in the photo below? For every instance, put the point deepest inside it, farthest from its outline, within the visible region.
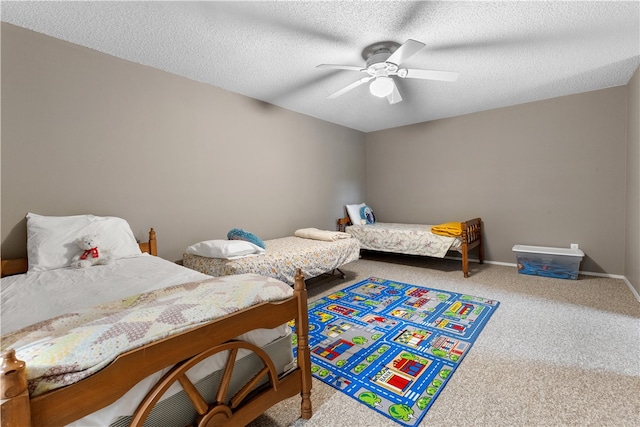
(471, 238)
(151, 247)
(14, 394)
(153, 243)
(465, 250)
(304, 357)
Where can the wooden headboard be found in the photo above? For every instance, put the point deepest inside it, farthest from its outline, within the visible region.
(10, 267)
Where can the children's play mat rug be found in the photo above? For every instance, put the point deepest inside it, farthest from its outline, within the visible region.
(393, 346)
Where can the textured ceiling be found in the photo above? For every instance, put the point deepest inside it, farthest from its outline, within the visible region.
(507, 53)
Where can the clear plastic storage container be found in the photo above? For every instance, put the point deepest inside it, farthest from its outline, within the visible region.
(560, 263)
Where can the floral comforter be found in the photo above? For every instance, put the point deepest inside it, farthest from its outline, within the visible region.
(68, 348)
(411, 239)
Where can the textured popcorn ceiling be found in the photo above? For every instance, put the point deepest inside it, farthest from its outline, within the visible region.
(506, 52)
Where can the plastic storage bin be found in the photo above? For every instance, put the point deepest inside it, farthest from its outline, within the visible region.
(560, 263)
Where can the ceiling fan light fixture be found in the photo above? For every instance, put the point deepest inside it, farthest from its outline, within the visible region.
(382, 86)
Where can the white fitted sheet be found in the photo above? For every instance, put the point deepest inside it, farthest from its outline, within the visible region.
(32, 297)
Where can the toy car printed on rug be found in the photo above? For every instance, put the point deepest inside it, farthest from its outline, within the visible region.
(393, 346)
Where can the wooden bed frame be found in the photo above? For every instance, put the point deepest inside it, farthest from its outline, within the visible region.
(472, 237)
(182, 351)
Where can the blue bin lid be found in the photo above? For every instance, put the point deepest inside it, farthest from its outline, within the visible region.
(548, 250)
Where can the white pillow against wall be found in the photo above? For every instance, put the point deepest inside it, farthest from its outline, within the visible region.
(354, 213)
(51, 240)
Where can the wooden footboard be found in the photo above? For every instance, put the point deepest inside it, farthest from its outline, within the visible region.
(182, 351)
(472, 237)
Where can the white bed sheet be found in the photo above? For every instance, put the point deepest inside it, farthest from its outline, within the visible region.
(36, 296)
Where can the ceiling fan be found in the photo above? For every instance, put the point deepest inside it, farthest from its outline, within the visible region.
(383, 61)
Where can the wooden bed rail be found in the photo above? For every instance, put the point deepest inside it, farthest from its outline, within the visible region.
(70, 403)
(9, 267)
(342, 223)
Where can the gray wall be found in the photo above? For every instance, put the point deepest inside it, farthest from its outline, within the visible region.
(547, 173)
(84, 132)
(632, 228)
(87, 132)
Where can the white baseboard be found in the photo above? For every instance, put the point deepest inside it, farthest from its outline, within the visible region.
(506, 264)
(586, 273)
(631, 288)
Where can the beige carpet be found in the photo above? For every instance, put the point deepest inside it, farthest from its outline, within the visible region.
(555, 353)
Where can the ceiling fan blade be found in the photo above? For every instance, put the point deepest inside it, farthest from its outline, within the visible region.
(394, 97)
(341, 67)
(407, 49)
(351, 86)
(445, 76)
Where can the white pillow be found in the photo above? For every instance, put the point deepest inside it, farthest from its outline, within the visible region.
(51, 240)
(228, 249)
(354, 213)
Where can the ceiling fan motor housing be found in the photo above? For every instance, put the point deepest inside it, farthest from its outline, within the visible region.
(376, 56)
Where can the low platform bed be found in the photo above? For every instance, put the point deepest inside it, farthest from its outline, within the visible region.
(417, 239)
(175, 354)
(282, 258)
